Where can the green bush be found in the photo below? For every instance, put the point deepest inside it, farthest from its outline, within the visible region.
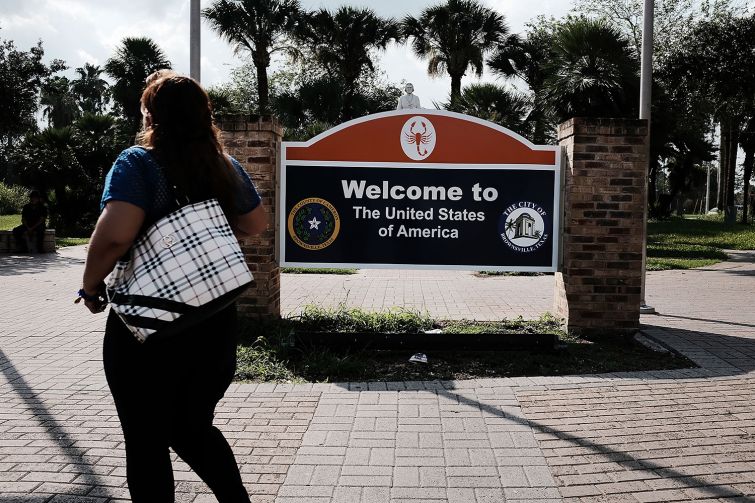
(12, 199)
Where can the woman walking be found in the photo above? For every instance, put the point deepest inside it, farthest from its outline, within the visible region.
(166, 389)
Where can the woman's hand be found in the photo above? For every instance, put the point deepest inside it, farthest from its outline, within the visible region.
(94, 300)
(95, 306)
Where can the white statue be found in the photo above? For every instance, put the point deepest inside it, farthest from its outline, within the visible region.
(409, 100)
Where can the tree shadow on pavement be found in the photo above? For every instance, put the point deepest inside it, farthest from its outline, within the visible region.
(718, 354)
(623, 459)
(737, 272)
(708, 320)
(54, 430)
(14, 265)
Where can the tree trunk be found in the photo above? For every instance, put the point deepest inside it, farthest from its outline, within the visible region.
(263, 89)
(732, 162)
(348, 98)
(455, 89)
(722, 160)
(652, 184)
(748, 165)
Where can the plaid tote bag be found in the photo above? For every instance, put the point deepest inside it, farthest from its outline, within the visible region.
(187, 266)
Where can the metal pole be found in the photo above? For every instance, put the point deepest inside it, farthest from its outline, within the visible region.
(646, 86)
(195, 46)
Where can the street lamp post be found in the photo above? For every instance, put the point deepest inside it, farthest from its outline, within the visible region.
(195, 42)
(646, 86)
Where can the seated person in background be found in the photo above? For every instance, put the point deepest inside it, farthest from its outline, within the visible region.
(30, 234)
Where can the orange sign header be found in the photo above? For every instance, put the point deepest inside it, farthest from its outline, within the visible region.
(421, 136)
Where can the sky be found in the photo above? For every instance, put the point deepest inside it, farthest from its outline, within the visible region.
(87, 31)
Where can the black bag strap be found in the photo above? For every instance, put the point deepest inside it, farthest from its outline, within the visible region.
(178, 195)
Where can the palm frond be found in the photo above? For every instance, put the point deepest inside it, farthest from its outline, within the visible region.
(455, 36)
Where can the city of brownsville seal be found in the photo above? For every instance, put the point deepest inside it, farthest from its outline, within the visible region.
(313, 223)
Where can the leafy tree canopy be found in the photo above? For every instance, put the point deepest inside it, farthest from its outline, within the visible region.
(59, 105)
(343, 43)
(495, 103)
(308, 95)
(672, 19)
(593, 71)
(90, 89)
(21, 76)
(455, 37)
(259, 27)
(527, 58)
(134, 60)
(70, 165)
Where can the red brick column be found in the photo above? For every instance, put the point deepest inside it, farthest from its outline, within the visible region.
(598, 291)
(255, 142)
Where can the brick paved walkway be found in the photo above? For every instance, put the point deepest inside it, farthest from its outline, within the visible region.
(651, 436)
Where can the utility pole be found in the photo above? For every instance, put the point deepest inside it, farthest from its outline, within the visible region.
(195, 45)
(646, 86)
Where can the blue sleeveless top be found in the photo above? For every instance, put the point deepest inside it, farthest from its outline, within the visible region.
(137, 178)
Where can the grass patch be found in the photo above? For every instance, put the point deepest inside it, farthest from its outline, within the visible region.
(62, 242)
(484, 274)
(266, 355)
(663, 256)
(316, 270)
(684, 243)
(394, 321)
(547, 324)
(8, 222)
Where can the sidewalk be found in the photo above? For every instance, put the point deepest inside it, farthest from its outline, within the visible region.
(648, 436)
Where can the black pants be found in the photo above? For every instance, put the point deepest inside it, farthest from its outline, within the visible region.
(37, 238)
(165, 392)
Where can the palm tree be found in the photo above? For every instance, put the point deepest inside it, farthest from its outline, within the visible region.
(455, 36)
(98, 139)
(526, 59)
(510, 228)
(47, 160)
(58, 103)
(133, 62)
(342, 42)
(90, 89)
(258, 26)
(496, 104)
(593, 71)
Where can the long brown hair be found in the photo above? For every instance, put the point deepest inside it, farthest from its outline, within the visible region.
(183, 138)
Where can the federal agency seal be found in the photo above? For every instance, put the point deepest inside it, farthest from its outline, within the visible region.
(313, 223)
(522, 227)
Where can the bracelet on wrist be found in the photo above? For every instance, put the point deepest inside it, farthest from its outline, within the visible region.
(89, 298)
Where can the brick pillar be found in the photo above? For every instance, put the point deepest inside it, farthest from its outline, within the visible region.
(255, 142)
(598, 291)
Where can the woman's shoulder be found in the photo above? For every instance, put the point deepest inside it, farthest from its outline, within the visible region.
(234, 161)
(133, 153)
(135, 158)
(240, 171)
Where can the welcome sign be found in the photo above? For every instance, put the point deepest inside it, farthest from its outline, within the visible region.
(420, 189)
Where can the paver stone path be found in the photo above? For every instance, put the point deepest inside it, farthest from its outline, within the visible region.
(683, 435)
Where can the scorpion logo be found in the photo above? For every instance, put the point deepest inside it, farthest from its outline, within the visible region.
(422, 138)
(418, 138)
